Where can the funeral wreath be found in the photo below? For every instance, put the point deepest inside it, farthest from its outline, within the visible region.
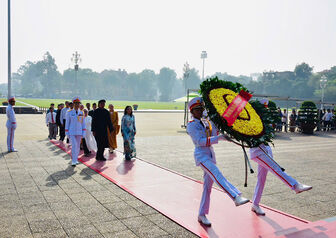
(253, 125)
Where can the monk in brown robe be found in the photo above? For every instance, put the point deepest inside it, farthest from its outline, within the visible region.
(112, 136)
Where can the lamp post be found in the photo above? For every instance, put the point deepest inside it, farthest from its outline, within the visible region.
(76, 59)
(9, 53)
(204, 55)
(186, 72)
(323, 84)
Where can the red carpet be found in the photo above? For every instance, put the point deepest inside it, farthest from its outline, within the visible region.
(177, 197)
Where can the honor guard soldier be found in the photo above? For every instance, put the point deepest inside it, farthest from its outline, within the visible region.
(10, 124)
(204, 134)
(75, 129)
(264, 157)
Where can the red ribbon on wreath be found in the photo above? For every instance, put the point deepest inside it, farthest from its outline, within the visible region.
(236, 107)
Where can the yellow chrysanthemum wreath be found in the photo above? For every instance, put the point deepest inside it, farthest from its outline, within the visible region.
(248, 122)
(253, 123)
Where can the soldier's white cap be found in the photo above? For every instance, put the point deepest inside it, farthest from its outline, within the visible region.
(11, 98)
(76, 99)
(264, 101)
(195, 103)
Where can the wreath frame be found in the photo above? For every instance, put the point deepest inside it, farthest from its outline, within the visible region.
(265, 137)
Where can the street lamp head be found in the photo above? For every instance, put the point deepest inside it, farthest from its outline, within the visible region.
(204, 54)
(323, 81)
(76, 59)
(186, 67)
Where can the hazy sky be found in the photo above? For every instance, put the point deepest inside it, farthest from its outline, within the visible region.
(241, 37)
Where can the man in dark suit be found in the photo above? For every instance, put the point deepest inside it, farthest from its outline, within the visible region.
(58, 117)
(94, 107)
(101, 122)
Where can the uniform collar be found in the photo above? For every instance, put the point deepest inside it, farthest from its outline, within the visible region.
(196, 120)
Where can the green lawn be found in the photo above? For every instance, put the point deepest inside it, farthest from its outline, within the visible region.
(5, 100)
(117, 104)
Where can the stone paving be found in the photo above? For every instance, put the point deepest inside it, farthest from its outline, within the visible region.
(42, 196)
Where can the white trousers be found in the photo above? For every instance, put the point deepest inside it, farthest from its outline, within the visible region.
(75, 147)
(213, 174)
(10, 138)
(265, 164)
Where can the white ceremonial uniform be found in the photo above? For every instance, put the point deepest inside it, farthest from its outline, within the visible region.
(204, 134)
(51, 123)
(63, 116)
(75, 129)
(11, 126)
(265, 164)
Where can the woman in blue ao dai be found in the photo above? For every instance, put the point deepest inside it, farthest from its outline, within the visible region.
(128, 131)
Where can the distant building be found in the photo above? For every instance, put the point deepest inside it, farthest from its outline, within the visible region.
(278, 75)
(255, 76)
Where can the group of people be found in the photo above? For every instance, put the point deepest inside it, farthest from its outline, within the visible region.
(326, 120)
(283, 123)
(204, 134)
(97, 129)
(93, 130)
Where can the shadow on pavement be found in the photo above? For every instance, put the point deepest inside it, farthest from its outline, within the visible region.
(87, 172)
(54, 178)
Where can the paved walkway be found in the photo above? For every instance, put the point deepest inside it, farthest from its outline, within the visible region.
(41, 196)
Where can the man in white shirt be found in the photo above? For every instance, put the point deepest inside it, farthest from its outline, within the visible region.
(284, 119)
(10, 124)
(51, 123)
(62, 119)
(327, 118)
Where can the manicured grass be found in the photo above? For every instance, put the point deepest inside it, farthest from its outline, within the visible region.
(117, 104)
(5, 100)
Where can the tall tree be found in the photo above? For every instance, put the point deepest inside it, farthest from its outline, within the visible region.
(303, 71)
(50, 78)
(166, 80)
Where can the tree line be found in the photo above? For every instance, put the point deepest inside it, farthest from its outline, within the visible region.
(42, 79)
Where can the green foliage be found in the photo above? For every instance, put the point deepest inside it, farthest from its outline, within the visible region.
(303, 71)
(275, 117)
(193, 81)
(308, 104)
(166, 81)
(308, 117)
(252, 141)
(41, 79)
(295, 83)
(272, 105)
